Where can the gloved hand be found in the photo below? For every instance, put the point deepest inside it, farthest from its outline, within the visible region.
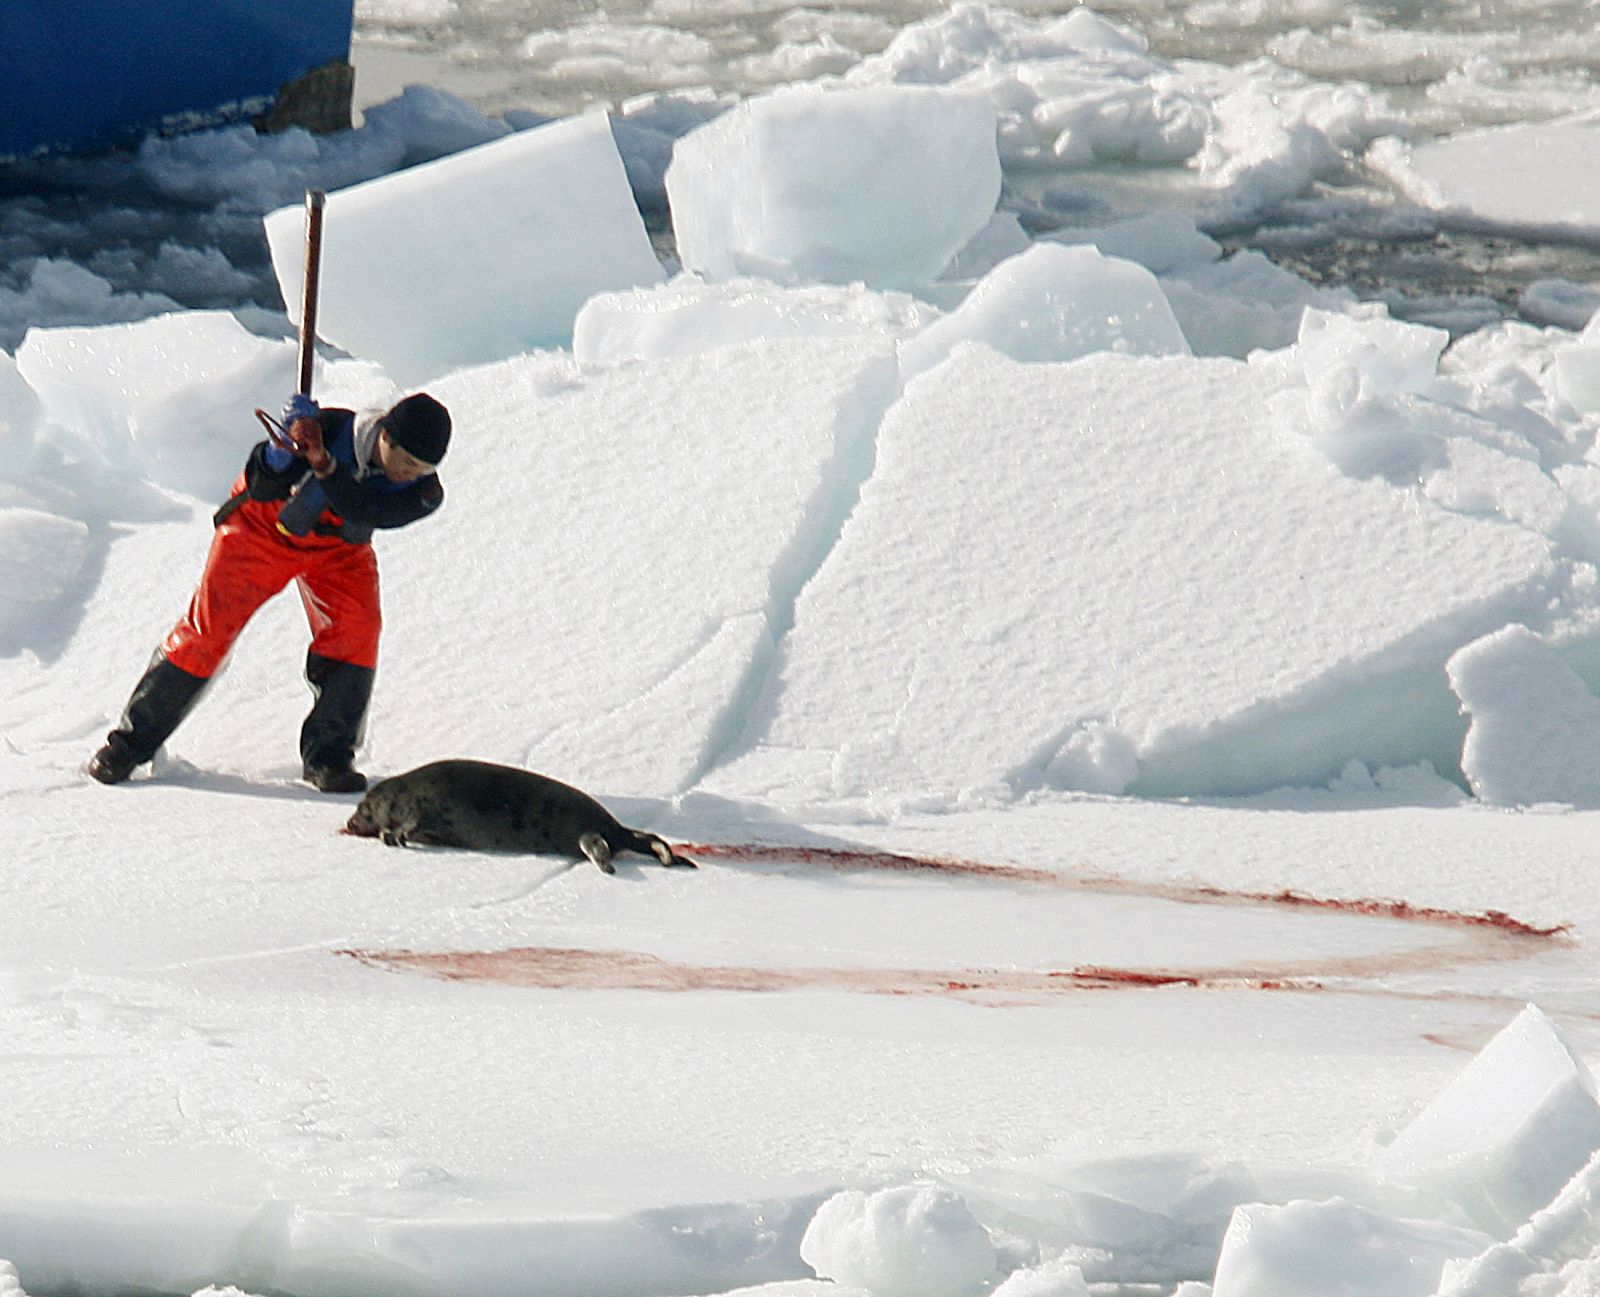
(307, 435)
(299, 406)
(304, 430)
(280, 450)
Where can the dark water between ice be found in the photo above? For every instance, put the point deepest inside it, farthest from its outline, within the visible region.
(557, 57)
(1445, 65)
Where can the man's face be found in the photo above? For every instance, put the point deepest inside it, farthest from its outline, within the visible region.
(398, 464)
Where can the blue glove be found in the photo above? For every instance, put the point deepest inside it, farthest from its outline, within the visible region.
(300, 406)
(278, 457)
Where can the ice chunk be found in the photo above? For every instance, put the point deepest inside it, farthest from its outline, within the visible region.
(1372, 357)
(1241, 303)
(1160, 241)
(1335, 1249)
(1577, 370)
(60, 292)
(1058, 1278)
(1560, 302)
(883, 185)
(1356, 371)
(1535, 731)
(19, 411)
(432, 122)
(1577, 377)
(45, 556)
(169, 397)
(1073, 89)
(1563, 1231)
(687, 317)
(1055, 302)
(1538, 177)
(1154, 1213)
(474, 257)
(1508, 1133)
(967, 39)
(788, 1288)
(916, 1240)
(1094, 758)
(1002, 237)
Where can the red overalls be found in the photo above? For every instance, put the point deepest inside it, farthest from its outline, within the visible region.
(250, 560)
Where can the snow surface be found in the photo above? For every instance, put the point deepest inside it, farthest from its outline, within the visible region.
(1137, 729)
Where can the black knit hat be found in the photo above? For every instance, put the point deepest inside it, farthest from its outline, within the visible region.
(420, 426)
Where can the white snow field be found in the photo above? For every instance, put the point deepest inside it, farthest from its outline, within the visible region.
(1134, 712)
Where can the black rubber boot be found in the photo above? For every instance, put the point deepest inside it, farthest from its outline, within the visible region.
(329, 737)
(159, 702)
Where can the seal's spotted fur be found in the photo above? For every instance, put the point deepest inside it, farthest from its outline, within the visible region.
(482, 806)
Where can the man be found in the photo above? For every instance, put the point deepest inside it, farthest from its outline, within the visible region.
(303, 509)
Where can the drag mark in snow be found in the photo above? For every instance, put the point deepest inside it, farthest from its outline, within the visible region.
(842, 860)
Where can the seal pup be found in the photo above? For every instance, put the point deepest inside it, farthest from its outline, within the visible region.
(482, 806)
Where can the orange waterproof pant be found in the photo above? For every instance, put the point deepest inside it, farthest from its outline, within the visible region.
(249, 562)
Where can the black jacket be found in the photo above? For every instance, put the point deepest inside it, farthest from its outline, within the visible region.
(351, 502)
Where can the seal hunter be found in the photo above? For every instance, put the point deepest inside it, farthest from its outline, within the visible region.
(486, 807)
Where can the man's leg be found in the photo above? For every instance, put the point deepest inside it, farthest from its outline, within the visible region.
(244, 568)
(333, 728)
(160, 700)
(340, 593)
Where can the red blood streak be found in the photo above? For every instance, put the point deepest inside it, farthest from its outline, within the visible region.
(1485, 937)
(566, 968)
(1086, 881)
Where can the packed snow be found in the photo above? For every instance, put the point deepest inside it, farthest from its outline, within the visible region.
(1134, 708)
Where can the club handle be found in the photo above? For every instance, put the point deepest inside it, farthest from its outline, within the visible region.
(308, 300)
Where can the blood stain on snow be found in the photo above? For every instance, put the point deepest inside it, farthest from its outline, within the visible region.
(1484, 937)
(563, 968)
(1190, 894)
(1456, 1043)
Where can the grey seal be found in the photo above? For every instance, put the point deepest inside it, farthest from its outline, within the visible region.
(482, 806)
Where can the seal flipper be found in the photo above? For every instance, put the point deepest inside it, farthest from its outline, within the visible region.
(648, 844)
(598, 850)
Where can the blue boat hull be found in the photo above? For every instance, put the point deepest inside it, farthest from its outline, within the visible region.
(78, 75)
